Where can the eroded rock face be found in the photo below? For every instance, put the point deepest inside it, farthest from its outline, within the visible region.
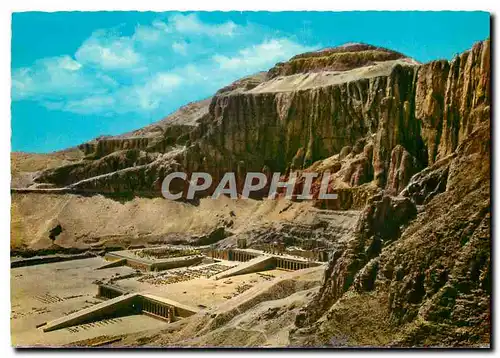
(380, 223)
(401, 168)
(452, 98)
(342, 58)
(429, 182)
(430, 277)
(410, 115)
(115, 161)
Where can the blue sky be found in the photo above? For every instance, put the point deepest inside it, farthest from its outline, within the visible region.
(78, 75)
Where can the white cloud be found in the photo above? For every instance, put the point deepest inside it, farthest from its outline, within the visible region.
(163, 83)
(109, 50)
(152, 68)
(87, 105)
(259, 56)
(67, 63)
(157, 89)
(104, 51)
(180, 47)
(53, 77)
(137, 98)
(157, 24)
(191, 24)
(147, 34)
(195, 74)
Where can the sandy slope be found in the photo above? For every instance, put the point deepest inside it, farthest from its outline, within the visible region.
(98, 219)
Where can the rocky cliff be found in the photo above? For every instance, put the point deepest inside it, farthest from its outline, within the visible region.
(377, 116)
(419, 263)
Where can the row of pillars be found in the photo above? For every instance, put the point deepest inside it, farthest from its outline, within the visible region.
(107, 292)
(159, 309)
(219, 254)
(276, 249)
(291, 265)
(240, 256)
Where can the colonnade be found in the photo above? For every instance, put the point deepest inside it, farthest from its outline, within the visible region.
(290, 265)
(107, 292)
(219, 254)
(241, 256)
(158, 309)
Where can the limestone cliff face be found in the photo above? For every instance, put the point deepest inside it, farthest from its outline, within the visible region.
(342, 58)
(432, 285)
(379, 117)
(452, 98)
(416, 277)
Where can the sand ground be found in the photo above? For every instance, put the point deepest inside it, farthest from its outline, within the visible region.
(45, 292)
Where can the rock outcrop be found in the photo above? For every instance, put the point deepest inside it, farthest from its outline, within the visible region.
(432, 285)
(399, 115)
(428, 274)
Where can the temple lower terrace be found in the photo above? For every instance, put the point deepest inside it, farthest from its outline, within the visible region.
(134, 290)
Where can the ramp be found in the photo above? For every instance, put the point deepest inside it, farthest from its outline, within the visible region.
(133, 303)
(116, 263)
(180, 310)
(260, 263)
(120, 305)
